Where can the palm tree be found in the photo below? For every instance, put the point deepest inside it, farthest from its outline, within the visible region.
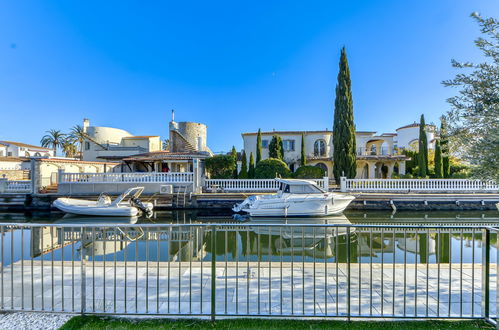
(78, 135)
(69, 146)
(53, 139)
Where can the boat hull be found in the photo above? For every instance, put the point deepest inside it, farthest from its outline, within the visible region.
(300, 208)
(85, 207)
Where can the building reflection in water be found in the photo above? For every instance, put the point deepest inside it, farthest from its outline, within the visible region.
(252, 240)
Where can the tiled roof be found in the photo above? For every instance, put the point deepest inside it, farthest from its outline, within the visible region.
(13, 159)
(166, 155)
(24, 145)
(414, 125)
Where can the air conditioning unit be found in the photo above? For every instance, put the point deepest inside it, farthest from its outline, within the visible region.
(166, 189)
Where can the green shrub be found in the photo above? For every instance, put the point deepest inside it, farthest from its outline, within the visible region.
(462, 174)
(407, 176)
(271, 168)
(220, 166)
(309, 172)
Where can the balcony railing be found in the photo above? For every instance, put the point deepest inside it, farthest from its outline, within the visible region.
(428, 185)
(135, 177)
(255, 185)
(250, 270)
(15, 186)
(384, 151)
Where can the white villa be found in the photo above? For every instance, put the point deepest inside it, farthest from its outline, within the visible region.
(107, 143)
(18, 149)
(377, 155)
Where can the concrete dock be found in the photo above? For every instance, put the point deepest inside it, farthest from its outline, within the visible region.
(247, 288)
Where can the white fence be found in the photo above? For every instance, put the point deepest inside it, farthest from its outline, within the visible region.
(146, 177)
(423, 185)
(244, 185)
(15, 186)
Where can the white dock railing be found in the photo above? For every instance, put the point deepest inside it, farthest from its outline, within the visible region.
(148, 177)
(15, 186)
(429, 185)
(243, 185)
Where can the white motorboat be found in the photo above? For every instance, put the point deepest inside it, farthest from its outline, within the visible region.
(127, 204)
(295, 198)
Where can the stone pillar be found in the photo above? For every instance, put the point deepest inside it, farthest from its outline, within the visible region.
(402, 167)
(196, 185)
(35, 176)
(3, 185)
(371, 171)
(343, 184)
(390, 170)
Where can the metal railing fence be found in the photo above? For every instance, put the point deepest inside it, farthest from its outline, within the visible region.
(255, 185)
(420, 185)
(251, 269)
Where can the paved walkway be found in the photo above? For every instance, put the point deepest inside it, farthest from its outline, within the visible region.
(247, 289)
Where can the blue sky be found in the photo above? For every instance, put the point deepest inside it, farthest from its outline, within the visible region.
(235, 66)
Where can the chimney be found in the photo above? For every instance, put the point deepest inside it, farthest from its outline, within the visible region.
(86, 123)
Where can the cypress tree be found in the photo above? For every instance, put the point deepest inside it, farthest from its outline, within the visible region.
(423, 149)
(275, 147)
(344, 128)
(444, 144)
(259, 146)
(438, 160)
(234, 157)
(281, 145)
(303, 160)
(251, 170)
(243, 174)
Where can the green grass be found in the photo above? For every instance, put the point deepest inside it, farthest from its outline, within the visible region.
(94, 322)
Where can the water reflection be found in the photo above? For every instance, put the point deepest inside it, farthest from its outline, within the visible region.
(284, 241)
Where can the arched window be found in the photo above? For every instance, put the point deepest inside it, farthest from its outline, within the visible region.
(37, 154)
(26, 154)
(320, 148)
(323, 166)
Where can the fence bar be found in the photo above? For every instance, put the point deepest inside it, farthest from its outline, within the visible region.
(486, 273)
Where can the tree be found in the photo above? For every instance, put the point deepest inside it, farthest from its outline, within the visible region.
(251, 170)
(423, 149)
(220, 166)
(444, 144)
(165, 144)
(281, 146)
(68, 146)
(303, 159)
(259, 146)
(275, 147)
(344, 127)
(309, 172)
(473, 123)
(233, 154)
(439, 170)
(78, 135)
(53, 139)
(271, 168)
(243, 174)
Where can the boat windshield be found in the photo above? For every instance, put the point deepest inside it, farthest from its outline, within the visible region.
(302, 189)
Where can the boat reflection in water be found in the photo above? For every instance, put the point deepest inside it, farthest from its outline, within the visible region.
(300, 236)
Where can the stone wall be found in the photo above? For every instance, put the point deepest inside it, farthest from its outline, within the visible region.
(14, 174)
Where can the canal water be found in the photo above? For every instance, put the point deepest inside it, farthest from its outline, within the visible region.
(240, 239)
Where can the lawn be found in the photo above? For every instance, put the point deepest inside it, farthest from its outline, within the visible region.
(94, 322)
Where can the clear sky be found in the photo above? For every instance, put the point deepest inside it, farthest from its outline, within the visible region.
(235, 66)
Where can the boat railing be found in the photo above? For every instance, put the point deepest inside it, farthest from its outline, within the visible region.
(252, 270)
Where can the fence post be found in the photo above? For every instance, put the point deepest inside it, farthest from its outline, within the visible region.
(326, 183)
(343, 184)
(83, 286)
(485, 273)
(213, 272)
(3, 185)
